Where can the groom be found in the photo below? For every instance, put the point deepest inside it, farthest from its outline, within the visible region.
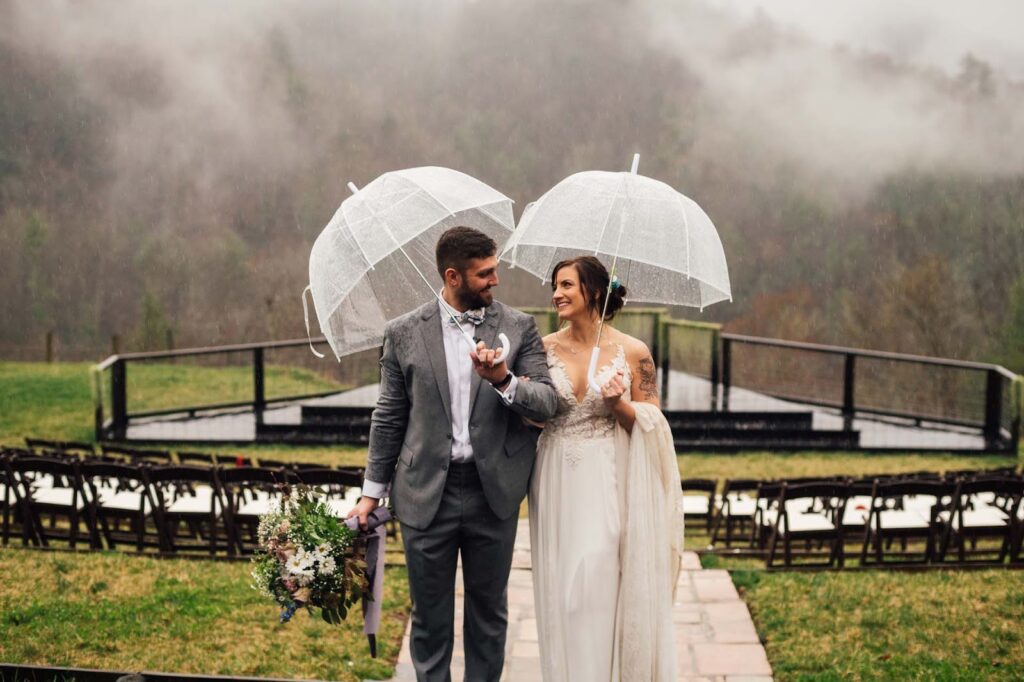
(447, 439)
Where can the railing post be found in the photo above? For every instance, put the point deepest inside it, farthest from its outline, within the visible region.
(656, 340)
(726, 372)
(666, 362)
(119, 399)
(1018, 412)
(96, 376)
(259, 399)
(848, 384)
(716, 368)
(993, 409)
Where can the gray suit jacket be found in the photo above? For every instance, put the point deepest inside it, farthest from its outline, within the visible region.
(411, 428)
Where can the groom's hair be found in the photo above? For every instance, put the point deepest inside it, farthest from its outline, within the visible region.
(459, 245)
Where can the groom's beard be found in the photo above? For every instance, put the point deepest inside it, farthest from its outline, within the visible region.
(471, 299)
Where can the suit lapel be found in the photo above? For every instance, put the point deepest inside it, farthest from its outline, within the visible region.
(432, 341)
(488, 333)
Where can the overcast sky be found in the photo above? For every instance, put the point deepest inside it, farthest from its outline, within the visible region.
(935, 33)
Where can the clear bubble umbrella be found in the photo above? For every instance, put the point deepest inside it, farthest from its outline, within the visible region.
(370, 263)
(657, 242)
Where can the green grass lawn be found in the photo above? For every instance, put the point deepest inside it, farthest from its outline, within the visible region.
(889, 625)
(868, 625)
(119, 611)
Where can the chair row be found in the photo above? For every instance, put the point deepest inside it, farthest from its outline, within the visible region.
(944, 515)
(129, 455)
(166, 508)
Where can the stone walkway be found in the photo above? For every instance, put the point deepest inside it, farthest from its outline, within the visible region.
(715, 635)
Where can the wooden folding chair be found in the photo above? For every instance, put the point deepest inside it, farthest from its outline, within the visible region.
(53, 488)
(137, 455)
(972, 518)
(905, 510)
(14, 518)
(249, 492)
(78, 449)
(811, 512)
(702, 504)
(204, 459)
(120, 493)
(736, 508)
(858, 507)
(189, 496)
(341, 489)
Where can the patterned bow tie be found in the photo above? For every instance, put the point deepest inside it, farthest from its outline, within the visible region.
(474, 316)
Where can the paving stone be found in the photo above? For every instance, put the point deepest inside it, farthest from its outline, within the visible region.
(523, 649)
(691, 562)
(686, 664)
(716, 590)
(689, 634)
(528, 630)
(715, 637)
(679, 616)
(731, 659)
(724, 612)
(735, 632)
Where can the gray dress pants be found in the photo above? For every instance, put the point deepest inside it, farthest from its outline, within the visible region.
(466, 524)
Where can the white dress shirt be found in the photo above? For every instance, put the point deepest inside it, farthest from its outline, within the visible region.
(460, 374)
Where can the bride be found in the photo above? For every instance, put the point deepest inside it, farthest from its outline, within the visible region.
(605, 502)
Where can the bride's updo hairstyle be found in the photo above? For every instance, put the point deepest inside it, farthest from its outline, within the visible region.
(593, 278)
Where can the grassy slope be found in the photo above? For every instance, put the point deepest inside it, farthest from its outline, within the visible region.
(118, 611)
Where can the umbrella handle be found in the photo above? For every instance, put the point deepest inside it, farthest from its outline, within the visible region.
(503, 351)
(592, 370)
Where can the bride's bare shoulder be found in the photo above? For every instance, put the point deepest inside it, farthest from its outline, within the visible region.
(636, 350)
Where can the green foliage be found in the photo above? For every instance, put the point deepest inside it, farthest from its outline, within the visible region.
(1013, 331)
(154, 326)
(39, 289)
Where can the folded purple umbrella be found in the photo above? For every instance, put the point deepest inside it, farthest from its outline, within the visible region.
(374, 595)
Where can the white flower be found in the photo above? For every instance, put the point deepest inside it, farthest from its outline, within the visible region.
(300, 562)
(294, 564)
(327, 565)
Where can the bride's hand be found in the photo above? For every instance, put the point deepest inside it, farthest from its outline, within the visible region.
(613, 390)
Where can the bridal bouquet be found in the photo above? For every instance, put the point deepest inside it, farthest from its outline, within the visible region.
(308, 559)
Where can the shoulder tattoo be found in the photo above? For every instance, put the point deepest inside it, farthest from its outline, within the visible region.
(648, 383)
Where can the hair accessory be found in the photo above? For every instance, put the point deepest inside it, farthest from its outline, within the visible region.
(615, 282)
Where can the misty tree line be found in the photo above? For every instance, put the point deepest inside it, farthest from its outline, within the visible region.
(130, 205)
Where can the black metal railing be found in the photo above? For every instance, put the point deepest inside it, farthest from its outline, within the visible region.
(919, 390)
(702, 369)
(111, 384)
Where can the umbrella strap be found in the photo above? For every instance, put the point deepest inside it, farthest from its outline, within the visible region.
(305, 314)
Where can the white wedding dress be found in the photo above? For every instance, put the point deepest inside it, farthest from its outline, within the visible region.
(575, 529)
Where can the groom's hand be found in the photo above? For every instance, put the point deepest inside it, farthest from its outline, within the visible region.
(485, 364)
(363, 509)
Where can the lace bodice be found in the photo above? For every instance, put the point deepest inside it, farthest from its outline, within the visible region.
(590, 417)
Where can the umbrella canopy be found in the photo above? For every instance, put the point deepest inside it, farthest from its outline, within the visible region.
(661, 244)
(657, 242)
(374, 259)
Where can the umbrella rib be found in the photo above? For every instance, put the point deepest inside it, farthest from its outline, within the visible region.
(607, 217)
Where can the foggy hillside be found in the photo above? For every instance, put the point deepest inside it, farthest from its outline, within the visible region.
(168, 165)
